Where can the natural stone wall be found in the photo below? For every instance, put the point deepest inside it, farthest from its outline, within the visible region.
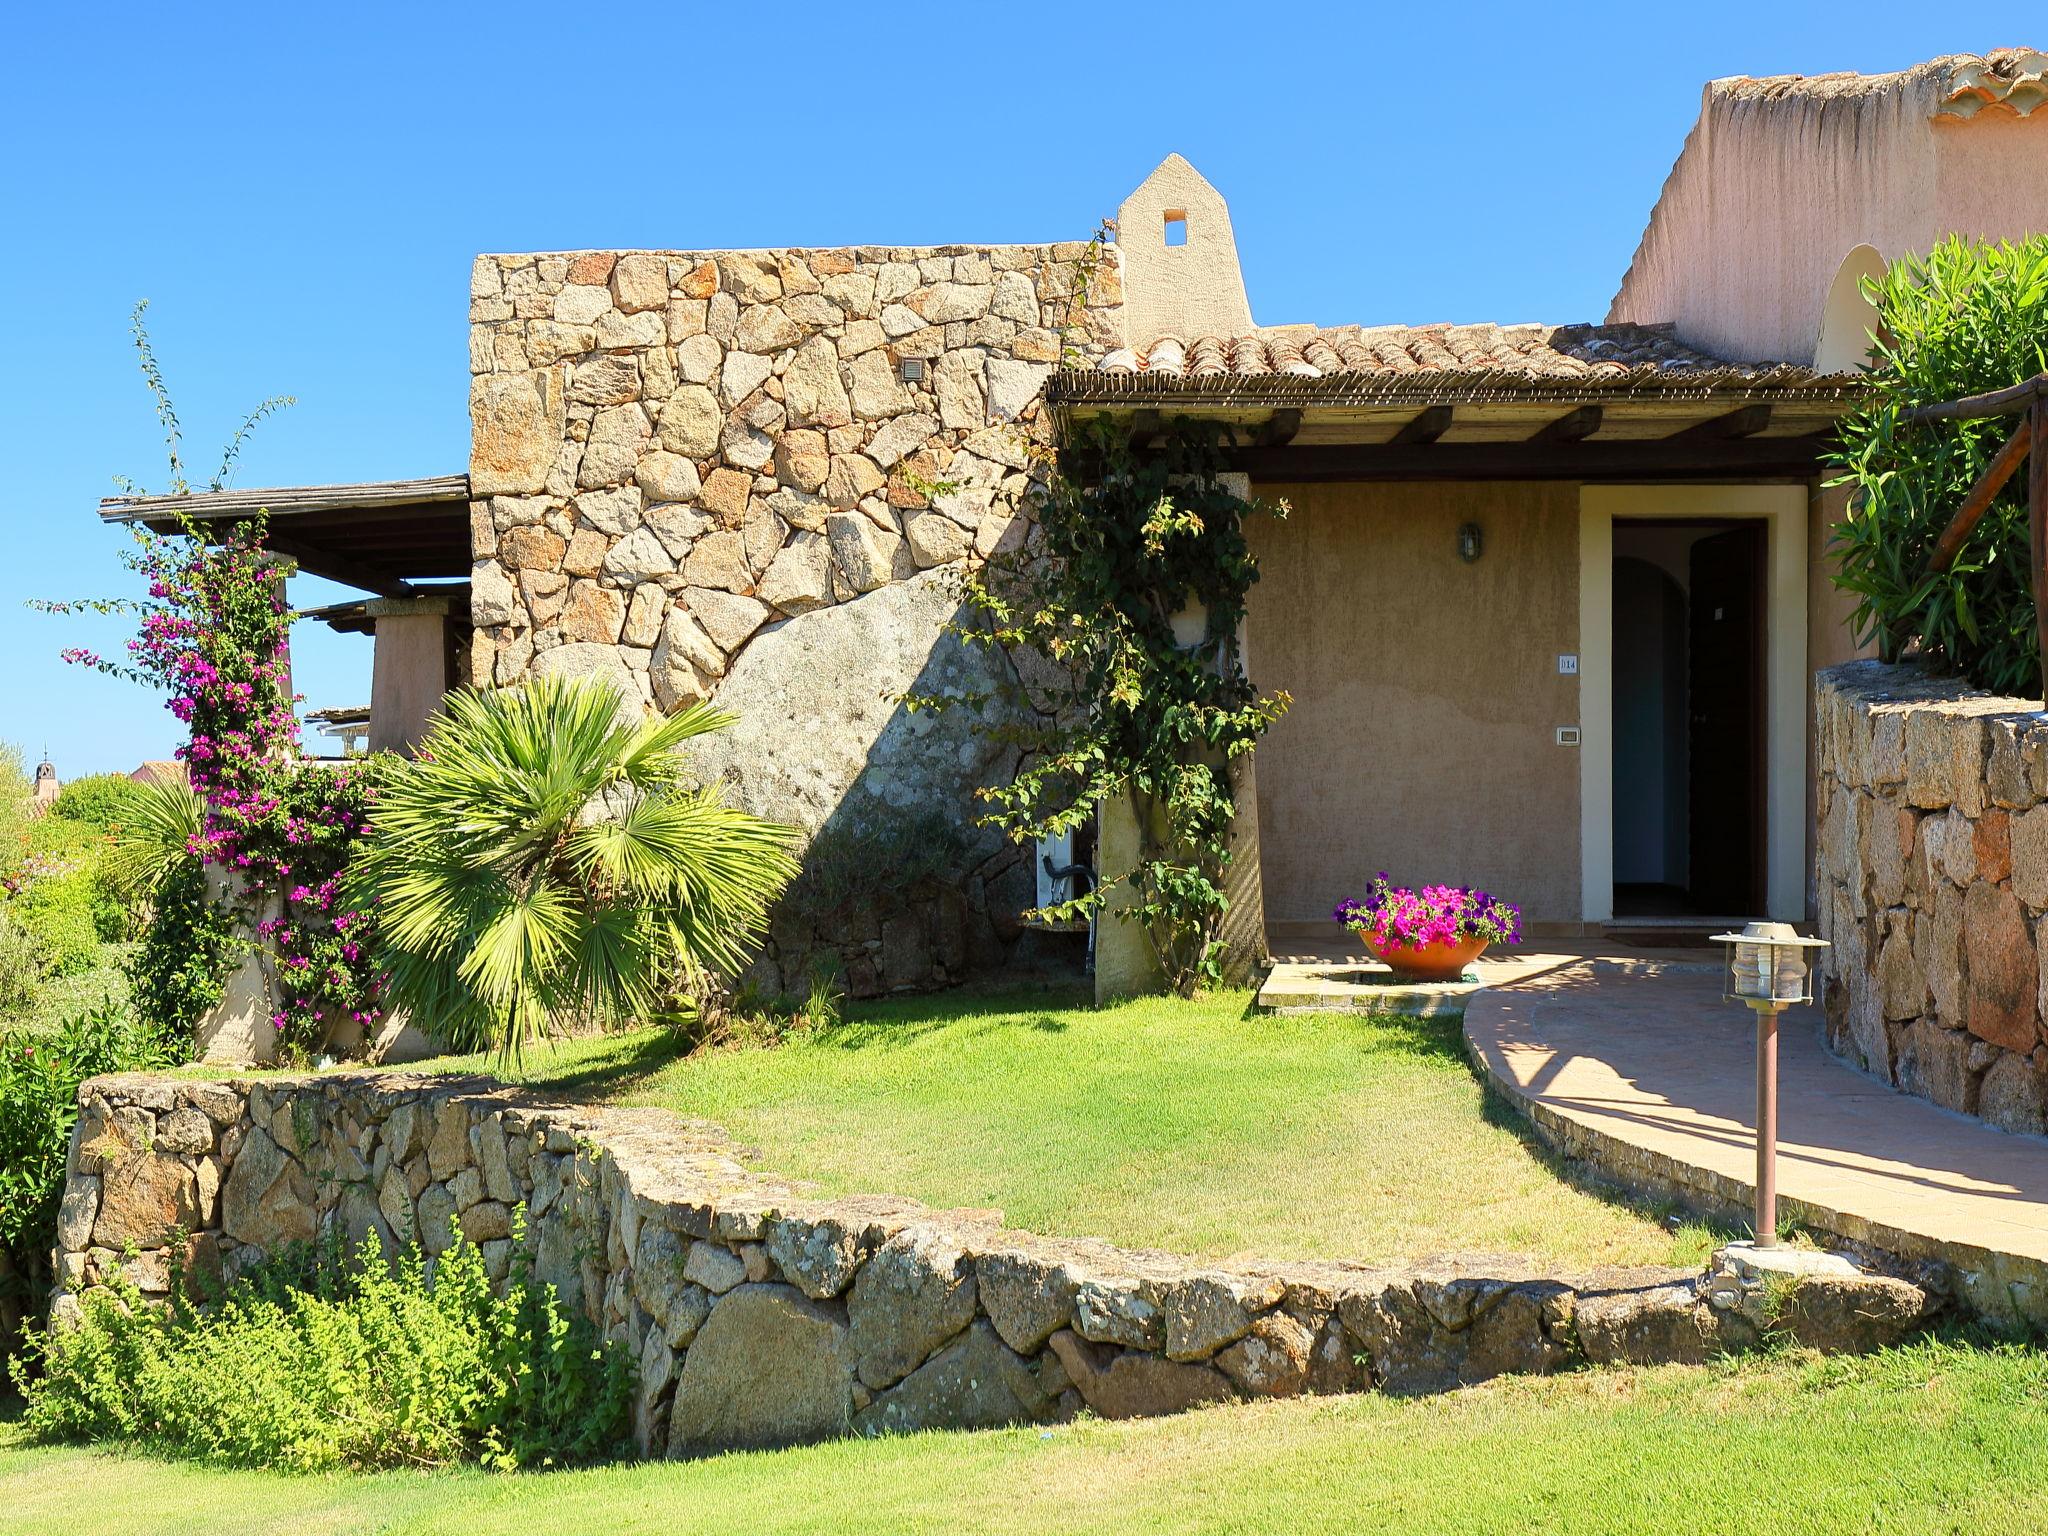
(682, 458)
(1932, 801)
(759, 1314)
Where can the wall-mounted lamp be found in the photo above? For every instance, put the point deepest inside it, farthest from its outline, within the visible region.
(913, 369)
(1470, 542)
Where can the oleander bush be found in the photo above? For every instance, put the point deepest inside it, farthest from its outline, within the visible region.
(319, 1361)
(1965, 319)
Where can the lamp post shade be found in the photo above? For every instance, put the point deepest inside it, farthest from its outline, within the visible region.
(1768, 966)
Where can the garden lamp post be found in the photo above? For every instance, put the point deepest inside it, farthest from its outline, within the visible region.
(1769, 970)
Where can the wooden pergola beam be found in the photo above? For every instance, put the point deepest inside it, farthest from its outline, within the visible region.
(339, 568)
(2037, 528)
(1656, 458)
(1426, 426)
(1744, 421)
(2009, 401)
(1573, 426)
(1279, 429)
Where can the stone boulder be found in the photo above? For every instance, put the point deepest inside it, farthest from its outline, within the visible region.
(769, 1367)
(1133, 1385)
(268, 1199)
(144, 1197)
(913, 1295)
(822, 735)
(1428, 1332)
(1648, 1325)
(977, 1383)
(1851, 1314)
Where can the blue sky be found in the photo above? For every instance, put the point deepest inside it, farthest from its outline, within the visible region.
(299, 190)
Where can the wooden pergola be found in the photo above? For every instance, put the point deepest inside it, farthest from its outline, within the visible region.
(381, 536)
(1295, 430)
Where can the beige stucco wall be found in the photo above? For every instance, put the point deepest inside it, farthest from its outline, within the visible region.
(1780, 180)
(1426, 693)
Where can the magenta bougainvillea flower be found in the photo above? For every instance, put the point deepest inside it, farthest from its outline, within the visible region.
(213, 637)
(1396, 916)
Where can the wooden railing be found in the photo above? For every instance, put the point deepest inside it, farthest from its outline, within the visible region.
(2029, 444)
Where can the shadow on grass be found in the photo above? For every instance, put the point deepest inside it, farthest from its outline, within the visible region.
(962, 1015)
(1673, 1214)
(624, 1065)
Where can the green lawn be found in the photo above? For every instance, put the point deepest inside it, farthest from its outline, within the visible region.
(1935, 1438)
(1195, 1127)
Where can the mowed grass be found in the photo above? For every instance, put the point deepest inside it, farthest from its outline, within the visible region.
(1196, 1127)
(1934, 1438)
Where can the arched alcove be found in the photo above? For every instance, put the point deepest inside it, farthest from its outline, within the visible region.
(1848, 318)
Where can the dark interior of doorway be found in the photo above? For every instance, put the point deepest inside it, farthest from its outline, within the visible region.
(1688, 722)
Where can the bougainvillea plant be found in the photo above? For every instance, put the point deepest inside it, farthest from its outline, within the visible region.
(1396, 916)
(212, 636)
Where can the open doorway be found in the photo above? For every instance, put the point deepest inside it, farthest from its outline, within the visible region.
(1688, 731)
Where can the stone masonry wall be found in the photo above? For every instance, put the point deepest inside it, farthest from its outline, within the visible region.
(1932, 801)
(677, 455)
(758, 1314)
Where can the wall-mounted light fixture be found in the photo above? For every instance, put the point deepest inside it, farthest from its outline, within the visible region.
(1470, 542)
(913, 369)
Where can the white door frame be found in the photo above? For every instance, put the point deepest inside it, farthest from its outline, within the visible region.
(1783, 510)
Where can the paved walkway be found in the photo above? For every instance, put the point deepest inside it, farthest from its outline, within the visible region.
(1639, 1066)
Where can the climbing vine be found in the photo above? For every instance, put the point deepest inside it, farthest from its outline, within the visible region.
(1126, 542)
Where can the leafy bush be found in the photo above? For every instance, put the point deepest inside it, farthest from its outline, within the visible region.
(541, 863)
(21, 963)
(353, 1365)
(188, 950)
(103, 800)
(39, 1077)
(1964, 320)
(65, 914)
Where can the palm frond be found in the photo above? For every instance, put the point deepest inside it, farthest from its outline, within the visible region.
(157, 839)
(539, 863)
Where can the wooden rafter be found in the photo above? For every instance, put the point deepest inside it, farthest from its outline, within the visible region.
(1572, 427)
(1427, 426)
(1744, 421)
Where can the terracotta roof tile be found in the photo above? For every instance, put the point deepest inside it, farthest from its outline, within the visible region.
(1438, 361)
(1535, 351)
(2011, 79)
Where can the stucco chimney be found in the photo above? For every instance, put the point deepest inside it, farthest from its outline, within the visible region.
(1180, 271)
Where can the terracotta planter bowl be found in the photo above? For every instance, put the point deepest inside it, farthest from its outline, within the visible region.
(1431, 962)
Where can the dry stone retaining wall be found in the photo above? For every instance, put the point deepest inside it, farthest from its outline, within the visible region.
(1932, 801)
(678, 458)
(759, 1314)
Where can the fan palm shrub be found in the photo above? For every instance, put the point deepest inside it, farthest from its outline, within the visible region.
(156, 838)
(545, 862)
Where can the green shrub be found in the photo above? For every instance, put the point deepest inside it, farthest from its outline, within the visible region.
(188, 950)
(63, 913)
(1965, 320)
(104, 800)
(21, 963)
(349, 1365)
(541, 864)
(39, 1077)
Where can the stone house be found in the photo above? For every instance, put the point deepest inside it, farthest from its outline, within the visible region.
(1549, 601)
